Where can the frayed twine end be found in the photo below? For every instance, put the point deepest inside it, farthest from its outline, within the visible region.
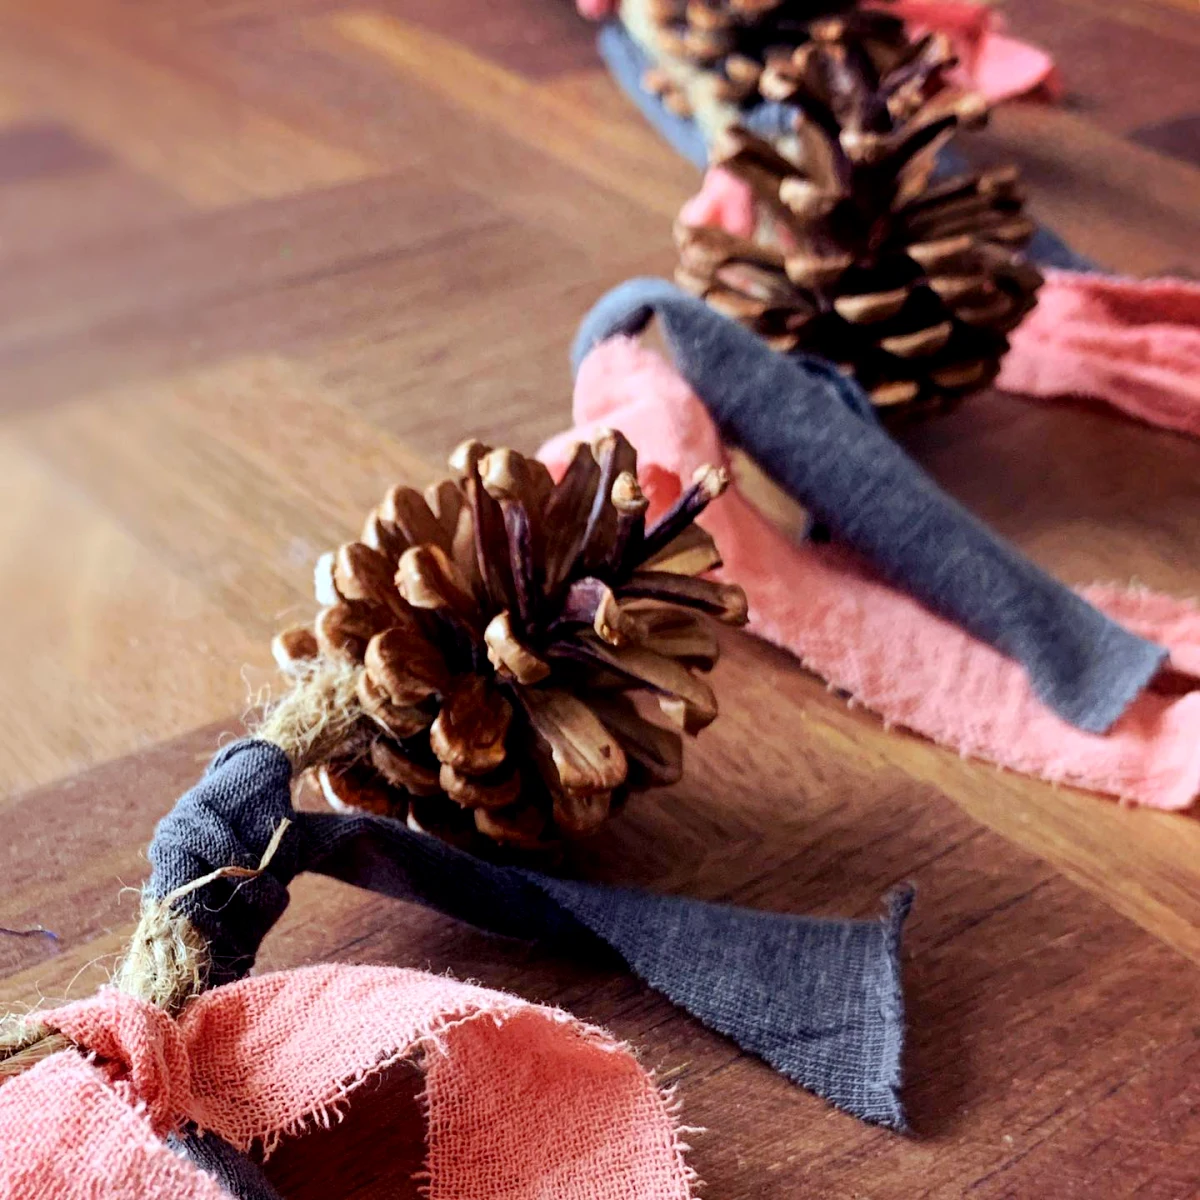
(320, 715)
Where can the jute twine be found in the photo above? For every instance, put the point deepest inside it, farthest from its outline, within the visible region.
(166, 962)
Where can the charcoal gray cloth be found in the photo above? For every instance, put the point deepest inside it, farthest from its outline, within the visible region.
(236, 1173)
(627, 62)
(801, 420)
(818, 999)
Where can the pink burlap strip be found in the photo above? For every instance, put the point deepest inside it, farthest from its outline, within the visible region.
(882, 647)
(1133, 343)
(67, 1134)
(523, 1102)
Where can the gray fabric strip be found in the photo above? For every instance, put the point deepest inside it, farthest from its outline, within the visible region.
(820, 1000)
(800, 419)
(236, 1173)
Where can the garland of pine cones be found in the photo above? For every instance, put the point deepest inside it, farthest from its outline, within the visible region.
(508, 635)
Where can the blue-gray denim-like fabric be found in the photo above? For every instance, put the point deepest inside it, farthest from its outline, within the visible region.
(803, 422)
(818, 999)
(238, 1175)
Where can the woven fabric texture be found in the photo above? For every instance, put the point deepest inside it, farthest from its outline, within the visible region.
(885, 649)
(1132, 343)
(766, 980)
(67, 1134)
(237, 1173)
(523, 1102)
(799, 419)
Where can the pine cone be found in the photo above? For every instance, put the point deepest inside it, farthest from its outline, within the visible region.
(908, 284)
(502, 624)
(735, 40)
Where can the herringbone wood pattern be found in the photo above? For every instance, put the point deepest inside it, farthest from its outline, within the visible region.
(263, 258)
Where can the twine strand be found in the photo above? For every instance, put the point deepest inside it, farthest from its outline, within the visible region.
(166, 962)
(320, 716)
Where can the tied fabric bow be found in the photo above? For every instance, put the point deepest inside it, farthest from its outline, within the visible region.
(522, 1101)
(887, 650)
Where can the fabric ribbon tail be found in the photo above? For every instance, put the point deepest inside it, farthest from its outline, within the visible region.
(1134, 344)
(881, 647)
(819, 1000)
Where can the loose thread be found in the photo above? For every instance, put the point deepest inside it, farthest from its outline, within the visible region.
(165, 964)
(34, 931)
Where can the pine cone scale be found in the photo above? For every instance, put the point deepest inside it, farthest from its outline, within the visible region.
(471, 727)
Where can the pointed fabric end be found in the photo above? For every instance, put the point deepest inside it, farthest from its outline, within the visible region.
(819, 1000)
(898, 904)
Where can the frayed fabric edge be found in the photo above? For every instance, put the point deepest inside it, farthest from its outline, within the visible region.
(328, 1110)
(898, 904)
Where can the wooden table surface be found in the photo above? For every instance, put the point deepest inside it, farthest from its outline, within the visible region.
(262, 259)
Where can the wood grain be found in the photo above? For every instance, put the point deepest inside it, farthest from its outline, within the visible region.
(261, 261)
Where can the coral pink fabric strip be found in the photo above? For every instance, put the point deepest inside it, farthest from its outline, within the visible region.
(66, 1133)
(523, 1102)
(884, 648)
(995, 65)
(1133, 343)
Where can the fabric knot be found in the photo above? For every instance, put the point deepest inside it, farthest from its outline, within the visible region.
(140, 1045)
(226, 820)
(687, 949)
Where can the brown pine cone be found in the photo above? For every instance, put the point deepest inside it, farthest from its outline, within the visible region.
(502, 625)
(908, 284)
(734, 40)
